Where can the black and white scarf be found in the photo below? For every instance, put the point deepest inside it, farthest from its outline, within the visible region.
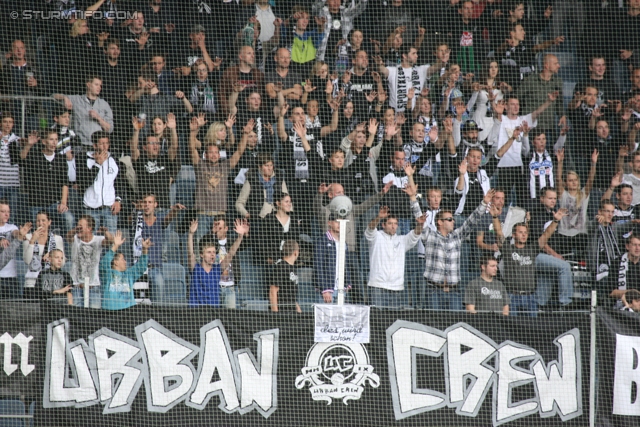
(401, 97)
(35, 266)
(540, 173)
(202, 7)
(202, 97)
(300, 159)
(622, 272)
(608, 244)
(137, 237)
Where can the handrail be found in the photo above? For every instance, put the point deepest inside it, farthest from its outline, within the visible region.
(23, 99)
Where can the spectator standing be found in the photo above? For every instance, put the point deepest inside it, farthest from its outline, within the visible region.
(628, 266)
(244, 74)
(100, 181)
(403, 78)
(35, 252)
(283, 282)
(633, 178)
(8, 273)
(10, 147)
(116, 280)
(90, 112)
(387, 258)
(338, 21)
(327, 265)
(205, 275)
(486, 293)
(53, 281)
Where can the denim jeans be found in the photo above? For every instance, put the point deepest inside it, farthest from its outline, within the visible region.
(437, 299)
(228, 296)
(549, 270)
(384, 298)
(95, 296)
(103, 217)
(64, 222)
(525, 305)
(12, 195)
(156, 284)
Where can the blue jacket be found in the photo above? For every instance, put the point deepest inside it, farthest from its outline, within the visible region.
(117, 286)
(325, 255)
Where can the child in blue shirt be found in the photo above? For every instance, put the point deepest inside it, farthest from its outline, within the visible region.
(205, 275)
(116, 280)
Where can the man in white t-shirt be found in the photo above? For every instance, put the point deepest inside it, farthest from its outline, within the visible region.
(633, 178)
(509, 172)
(8, 275)
(404, 78)
(86, 249)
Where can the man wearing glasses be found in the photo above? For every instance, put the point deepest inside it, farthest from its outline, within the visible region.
(442, 256)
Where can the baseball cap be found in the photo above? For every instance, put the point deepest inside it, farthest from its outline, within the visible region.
(197, 29)
(470, 125)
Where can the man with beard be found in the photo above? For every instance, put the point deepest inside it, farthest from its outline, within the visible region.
(465, 136)
(403, 79)
(360, 83)
(244, 74)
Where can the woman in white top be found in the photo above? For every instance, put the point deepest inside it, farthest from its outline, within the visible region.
(486, 90)
(572, 231)
(35, 252)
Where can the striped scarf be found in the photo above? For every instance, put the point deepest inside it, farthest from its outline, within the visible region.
(402, 98)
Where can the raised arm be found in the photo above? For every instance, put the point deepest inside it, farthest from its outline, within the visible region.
(194, 143)
(135, 137)
(552, 97)
(241, 229)
(592, 173)
(282, 132)
(335, 118)
(543, 241)
(173, 146)
(233, 161)
(191, 257)
(559, 181)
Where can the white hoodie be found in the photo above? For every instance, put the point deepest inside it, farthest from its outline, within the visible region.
(102, 192)
(386, 258)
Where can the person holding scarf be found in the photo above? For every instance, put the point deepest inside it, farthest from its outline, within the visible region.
(604, 247)
(403, 78)
(35, 252)
(628, 277)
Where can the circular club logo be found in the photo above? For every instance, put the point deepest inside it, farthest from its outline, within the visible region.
(337, 371)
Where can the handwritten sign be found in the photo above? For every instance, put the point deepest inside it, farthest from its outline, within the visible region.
(341, 323)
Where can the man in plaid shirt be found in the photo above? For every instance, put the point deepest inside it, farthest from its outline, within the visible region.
(442, 256)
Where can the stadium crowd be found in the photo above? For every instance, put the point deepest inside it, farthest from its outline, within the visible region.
(216, 135)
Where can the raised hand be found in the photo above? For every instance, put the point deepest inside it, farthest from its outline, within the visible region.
(376, 76)
(33, 138)
(360, 127)
(283, 110)
(383, 212)
(238, 87)
(494, 210)
(560, 213)
(462, 167)
(371, 96)
(249, 126)
(329, 87)
(373, 126)
(400, 119)
(323, 188)
(201, 120)
(118, 240)
(594, 156)
(409, 169)
(382, 96)
(231, 120)
(560, 155)
(411, 189)
(433, 133)
(553, 95)
(193, 227)
(617, 179)
(300, 129)
(411, 93)
(241, 227)
(171, 121)
(489, 196)
(146, 244)
(498, 107)
(179, 94)
(391, 130)
(308, 87)
(24, 230)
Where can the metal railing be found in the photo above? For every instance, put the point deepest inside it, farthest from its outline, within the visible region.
(23, 105)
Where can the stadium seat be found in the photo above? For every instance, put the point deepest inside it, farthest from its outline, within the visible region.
(11, 407)
(175, 283)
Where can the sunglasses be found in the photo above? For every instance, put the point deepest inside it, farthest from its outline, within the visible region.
(450, 219)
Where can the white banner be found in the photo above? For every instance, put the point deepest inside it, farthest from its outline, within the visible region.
(341, 323)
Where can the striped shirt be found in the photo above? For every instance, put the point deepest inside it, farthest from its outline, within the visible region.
(9, 175)
(442, 253)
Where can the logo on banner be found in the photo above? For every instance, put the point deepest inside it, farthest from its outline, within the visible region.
(337, 371)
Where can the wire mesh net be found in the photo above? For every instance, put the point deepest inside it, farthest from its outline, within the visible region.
(447, 163)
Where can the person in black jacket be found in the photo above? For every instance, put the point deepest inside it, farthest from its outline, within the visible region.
(275, 229)
(45, 178)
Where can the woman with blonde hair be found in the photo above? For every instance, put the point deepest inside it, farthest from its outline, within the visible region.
(218, 133)
(572, 230)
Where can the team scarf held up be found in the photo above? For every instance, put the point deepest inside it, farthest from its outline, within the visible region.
(540, 173)
(402, 99)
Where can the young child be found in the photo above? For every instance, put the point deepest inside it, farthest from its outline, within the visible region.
(53, 281)
(116, 280)
(205, 276)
